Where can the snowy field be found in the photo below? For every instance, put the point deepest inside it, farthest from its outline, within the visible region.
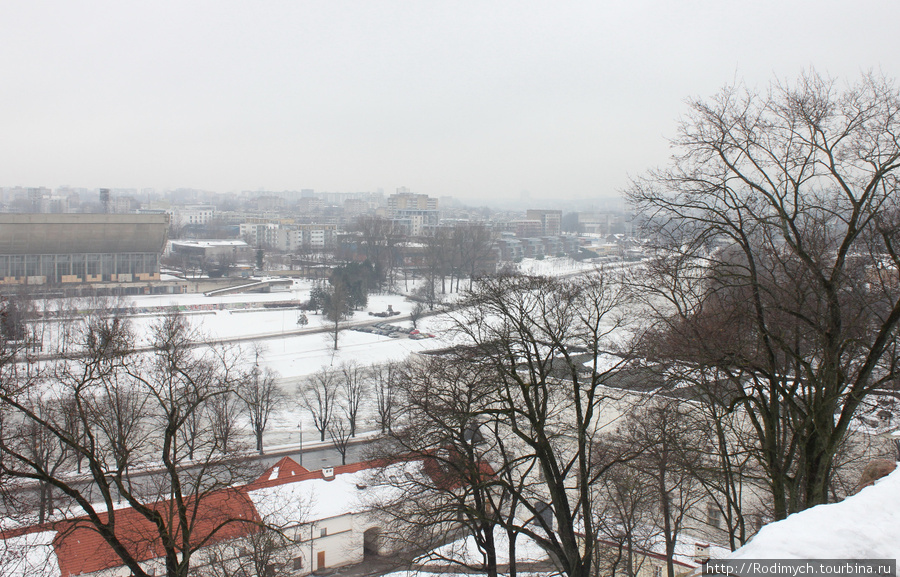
(295, 351)
(292, 351)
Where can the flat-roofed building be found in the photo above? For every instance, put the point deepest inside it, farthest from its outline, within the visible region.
(42, 249)
(550, 221)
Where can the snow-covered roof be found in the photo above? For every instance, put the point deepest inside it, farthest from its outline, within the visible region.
(286, 494)
(210, 243)
(74, 547)
(29, 554)
(863, 526)
(302, 497)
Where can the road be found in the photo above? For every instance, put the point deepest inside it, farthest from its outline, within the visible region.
(147, 483)
(317, 458)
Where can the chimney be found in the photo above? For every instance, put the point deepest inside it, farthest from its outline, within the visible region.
(701, 552)
(328, 473)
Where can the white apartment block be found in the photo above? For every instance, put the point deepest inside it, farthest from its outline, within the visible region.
(201, 214)
(288, 238)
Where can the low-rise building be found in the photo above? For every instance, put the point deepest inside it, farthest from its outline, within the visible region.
(322, 514)
(199, 251)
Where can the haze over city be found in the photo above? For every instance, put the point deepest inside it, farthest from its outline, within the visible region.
(421, 289)
(479, 101)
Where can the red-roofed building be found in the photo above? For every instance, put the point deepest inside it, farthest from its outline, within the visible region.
(283, 469)
(221, 516)
(320, 512)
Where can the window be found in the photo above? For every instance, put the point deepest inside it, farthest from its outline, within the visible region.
(323, 532)
(657, 571)
(298, 563)
(713, 515)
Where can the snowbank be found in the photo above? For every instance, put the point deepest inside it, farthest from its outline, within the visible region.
(864, 526)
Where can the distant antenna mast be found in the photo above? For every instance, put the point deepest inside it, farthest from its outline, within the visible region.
(104, 199)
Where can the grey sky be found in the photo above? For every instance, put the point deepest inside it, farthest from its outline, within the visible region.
(473, 99)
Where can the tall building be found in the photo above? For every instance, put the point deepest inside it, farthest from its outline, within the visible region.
(405, 200)
(414, 213)
(550, 220)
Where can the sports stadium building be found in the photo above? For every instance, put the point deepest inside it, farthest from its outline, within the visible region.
(67, 249)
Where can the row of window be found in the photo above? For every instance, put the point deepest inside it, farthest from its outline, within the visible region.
(55, 266)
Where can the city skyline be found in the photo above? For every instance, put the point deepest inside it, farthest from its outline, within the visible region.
(481, 102)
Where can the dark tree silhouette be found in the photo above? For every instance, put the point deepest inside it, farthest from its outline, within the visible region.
(777, 225)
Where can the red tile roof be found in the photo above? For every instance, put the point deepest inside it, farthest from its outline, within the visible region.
(306, 475)
(80, 548)
(220, 516)
(286, 467)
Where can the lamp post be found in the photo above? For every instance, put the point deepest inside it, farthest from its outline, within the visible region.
(300, 427)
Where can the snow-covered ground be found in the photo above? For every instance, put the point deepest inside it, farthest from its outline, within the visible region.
(863, 526)
(293, 351)
(466, 551)
(556, 266)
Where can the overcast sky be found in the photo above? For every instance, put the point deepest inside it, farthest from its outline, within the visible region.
(473, 99)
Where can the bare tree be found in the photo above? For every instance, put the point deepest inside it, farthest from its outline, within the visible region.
(396, 242)
(261, 396)
(387, 393)
(452, 493)
(263, 553)
(340, 432)
(667, 462)
(475, 246)
(543, 343)
(131, 409)
(354, 388)
(15, 312)
(726, 468)
(221, 411)
(781, 210)
(416, 313)
(437, 261)
(319, 394)
(40, 446)
(626, 520)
